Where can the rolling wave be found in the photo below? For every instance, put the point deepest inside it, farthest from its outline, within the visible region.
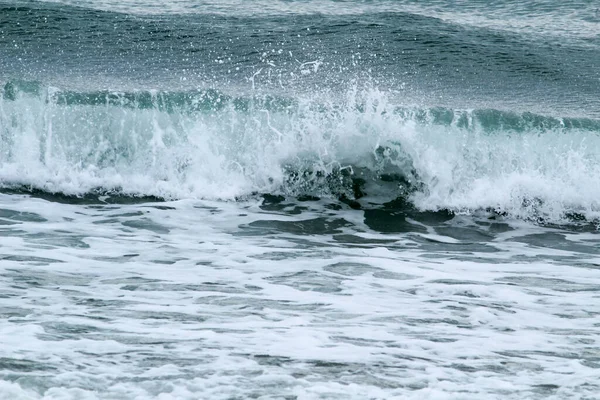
(360, 146)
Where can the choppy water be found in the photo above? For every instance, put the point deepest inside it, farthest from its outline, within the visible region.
(299, 200)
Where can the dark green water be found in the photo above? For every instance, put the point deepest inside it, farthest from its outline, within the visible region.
(469, 54)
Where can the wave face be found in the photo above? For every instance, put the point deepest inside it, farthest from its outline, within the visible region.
(462, 106)
(206, 144)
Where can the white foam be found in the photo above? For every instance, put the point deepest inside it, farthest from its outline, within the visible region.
(204, 308)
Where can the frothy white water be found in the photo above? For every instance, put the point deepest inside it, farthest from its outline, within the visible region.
(213, 300)
(229, 151)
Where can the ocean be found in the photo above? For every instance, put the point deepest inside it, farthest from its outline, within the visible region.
(299, 199)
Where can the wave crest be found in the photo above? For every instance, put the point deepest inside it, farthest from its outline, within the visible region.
(206, 144)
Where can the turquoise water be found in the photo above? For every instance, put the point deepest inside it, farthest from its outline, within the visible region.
(299, 199)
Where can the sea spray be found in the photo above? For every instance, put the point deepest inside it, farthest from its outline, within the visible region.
(206, 144)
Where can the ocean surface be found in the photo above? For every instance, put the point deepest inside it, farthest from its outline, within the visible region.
(299, 199)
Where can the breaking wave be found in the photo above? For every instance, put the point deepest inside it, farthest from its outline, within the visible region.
(213, 145)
